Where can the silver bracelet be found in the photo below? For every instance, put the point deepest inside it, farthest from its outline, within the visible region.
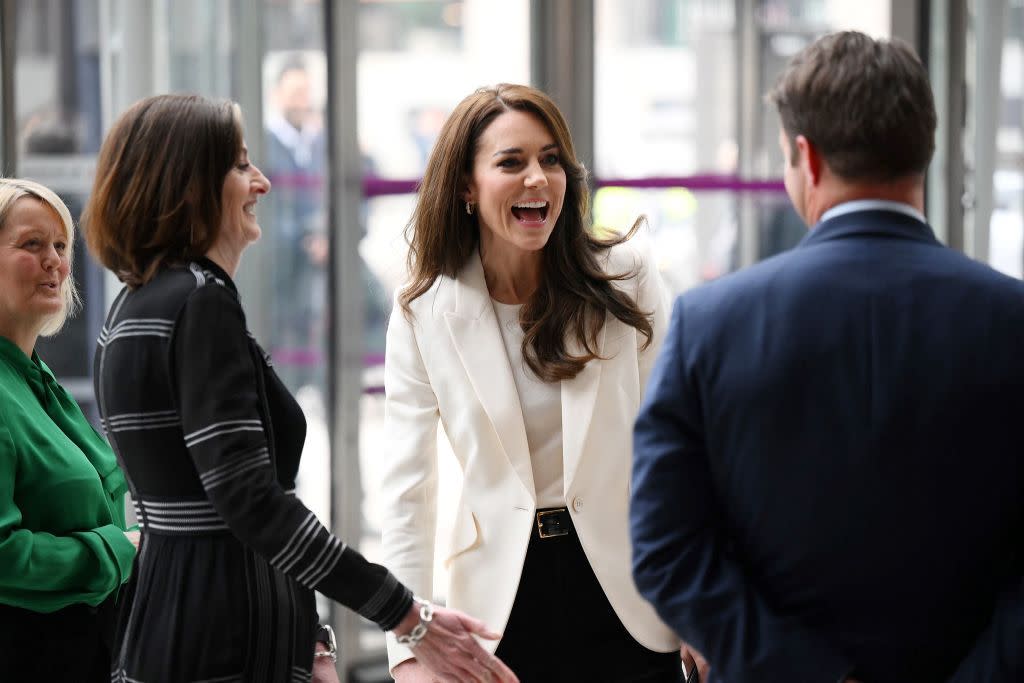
(419, 631)
(330, 643)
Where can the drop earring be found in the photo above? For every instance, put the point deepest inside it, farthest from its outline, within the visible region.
(469, 208)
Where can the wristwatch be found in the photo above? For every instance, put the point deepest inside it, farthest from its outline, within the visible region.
(325, 635)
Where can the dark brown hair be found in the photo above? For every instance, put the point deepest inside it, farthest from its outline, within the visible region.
(156, 199)
(575, 292)
(865, 104)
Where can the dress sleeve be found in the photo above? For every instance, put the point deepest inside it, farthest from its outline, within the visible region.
(409, 489)
(217, 390)
(46, 572)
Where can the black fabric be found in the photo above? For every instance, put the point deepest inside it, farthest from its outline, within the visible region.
(210, 440)
(71, 645)
(562, 627)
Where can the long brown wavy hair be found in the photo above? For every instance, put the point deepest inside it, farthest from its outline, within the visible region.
(575, 292)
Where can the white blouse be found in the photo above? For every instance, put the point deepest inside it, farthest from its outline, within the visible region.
(541, 405)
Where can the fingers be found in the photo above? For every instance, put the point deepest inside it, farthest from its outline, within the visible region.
(477, 627)
(451, 652)
(499, 670)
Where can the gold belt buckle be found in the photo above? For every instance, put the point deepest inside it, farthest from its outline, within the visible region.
(560, 530)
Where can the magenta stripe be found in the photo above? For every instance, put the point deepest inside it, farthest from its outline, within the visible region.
(379, 187)
(729, 183)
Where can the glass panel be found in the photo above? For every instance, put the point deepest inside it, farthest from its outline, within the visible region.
(58, 117)
(1006, 228)
(200, 39)
(291, 258)
(668, 106)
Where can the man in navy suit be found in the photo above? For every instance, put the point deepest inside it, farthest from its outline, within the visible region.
(829, 463)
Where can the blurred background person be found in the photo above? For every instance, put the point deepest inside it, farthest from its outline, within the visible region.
(210, 437)
(64, 550)
(529, 339)
(295, 163)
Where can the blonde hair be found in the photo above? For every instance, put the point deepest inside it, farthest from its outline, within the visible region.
(13, 189)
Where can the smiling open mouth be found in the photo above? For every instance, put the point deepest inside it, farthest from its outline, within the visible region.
(530, 212)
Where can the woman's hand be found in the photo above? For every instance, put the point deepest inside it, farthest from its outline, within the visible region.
(449, 651)
(411, 671)
(324, 670)
(694, 660)
(134, 537)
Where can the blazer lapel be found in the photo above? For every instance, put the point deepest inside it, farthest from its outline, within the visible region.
(477, 339)
(579, 395)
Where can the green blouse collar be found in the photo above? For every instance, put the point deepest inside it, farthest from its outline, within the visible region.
(13, 354)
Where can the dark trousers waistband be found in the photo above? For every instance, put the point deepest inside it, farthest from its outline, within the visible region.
(553, 523)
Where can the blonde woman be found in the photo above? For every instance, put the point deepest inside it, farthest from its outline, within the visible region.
(64, 550)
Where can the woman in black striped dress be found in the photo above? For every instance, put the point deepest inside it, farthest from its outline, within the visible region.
(208, 435)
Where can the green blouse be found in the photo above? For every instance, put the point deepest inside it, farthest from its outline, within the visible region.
(62, 519)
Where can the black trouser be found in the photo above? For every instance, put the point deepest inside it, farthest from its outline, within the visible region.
(562, 627)
(71, 645)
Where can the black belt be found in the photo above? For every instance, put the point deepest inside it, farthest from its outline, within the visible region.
(554, 522)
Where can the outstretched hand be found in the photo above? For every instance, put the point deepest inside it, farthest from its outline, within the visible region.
(450, 651)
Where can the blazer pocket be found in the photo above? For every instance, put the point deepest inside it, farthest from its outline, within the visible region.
(466, 535)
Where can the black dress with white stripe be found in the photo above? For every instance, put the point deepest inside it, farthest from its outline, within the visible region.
(210, 440)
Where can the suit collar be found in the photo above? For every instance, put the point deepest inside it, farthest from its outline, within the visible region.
(855, 205)
(475, 333)
(472, 300)
(875, 222)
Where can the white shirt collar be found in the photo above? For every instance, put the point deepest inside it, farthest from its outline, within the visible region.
(872, 204)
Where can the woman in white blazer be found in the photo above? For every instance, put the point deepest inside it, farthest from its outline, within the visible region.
(529, 339)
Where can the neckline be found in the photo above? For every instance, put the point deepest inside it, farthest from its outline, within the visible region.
(13, 353)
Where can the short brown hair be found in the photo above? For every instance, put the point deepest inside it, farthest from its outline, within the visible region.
(156, 198)
(442, 237)
(865, 104)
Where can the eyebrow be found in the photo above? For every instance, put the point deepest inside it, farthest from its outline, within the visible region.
(518, 150)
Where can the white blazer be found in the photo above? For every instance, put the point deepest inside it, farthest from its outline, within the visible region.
(450, 364)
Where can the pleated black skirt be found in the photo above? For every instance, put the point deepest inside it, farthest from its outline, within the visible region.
(206, 608)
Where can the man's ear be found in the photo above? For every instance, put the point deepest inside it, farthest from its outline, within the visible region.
(810, 161)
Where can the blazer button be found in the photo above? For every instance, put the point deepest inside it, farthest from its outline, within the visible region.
(577, 504)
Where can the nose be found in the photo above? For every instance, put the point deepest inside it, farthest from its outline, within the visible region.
(261, 181)
(535, 176)
(51, 258)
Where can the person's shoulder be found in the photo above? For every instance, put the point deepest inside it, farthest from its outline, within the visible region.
(178, 290)
(627, 256)
(630, 262)
(748, 281)
(436, 300)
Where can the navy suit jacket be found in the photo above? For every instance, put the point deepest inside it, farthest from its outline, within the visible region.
(828, 473)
